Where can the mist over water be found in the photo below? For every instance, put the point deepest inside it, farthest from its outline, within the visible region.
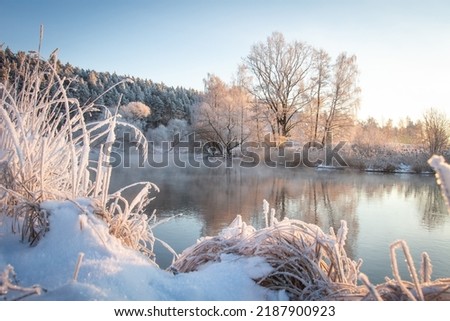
(379, 208)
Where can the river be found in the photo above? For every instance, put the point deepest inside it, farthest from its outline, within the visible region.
(379, 208)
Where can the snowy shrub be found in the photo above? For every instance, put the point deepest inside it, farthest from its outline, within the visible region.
(134, 113)
(135, 109)
(158, 134)
(386, 158)
(167, 133)
(45, 154)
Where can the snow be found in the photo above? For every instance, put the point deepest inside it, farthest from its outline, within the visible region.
(404, 168)
(323, 166)
(110, 271)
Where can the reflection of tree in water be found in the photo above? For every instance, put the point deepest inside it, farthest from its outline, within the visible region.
(433, 206)
(327, 201)
(302, 194)
(378, 185)
(279, 188)
(216, 195)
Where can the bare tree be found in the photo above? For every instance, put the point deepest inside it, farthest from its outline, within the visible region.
(223, 114)
(435, 130)
(245, 101)
(344, 104)
(319, 96)
(280, 70)
(255, 114)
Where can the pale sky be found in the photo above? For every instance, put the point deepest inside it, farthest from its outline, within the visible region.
(403, 47)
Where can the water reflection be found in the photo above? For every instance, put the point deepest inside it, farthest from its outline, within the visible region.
(431, 204)
(378, 208)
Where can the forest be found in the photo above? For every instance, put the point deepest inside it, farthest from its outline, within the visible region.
(100, 87)
(292, 91)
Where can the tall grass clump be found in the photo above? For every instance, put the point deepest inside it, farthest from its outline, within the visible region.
(45, 154)
(307, 263)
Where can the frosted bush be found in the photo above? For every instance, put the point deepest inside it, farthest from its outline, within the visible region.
(135, 110)
(134, 113)
(387, 158)
(166, 133)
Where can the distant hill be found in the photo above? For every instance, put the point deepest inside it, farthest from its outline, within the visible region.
(86, 85)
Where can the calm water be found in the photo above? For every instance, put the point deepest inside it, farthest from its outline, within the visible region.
(379, 208)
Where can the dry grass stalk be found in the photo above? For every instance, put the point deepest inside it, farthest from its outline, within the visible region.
(419, 289)
(8, 285)
(128, 221)
(372, 289)
(412, 271)
(78, 266)
(45, 154)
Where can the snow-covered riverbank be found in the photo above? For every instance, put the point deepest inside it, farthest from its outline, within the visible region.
(109, 271)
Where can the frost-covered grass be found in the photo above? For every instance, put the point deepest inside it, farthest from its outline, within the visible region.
(45, 150)
(387, 158)
(307, 263)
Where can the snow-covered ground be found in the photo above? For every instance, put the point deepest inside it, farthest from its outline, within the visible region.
(111, 272)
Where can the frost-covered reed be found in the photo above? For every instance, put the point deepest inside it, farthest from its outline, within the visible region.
(420, 288)
(46, 154)
(8, 285)
(307, 263)
(310, 264)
